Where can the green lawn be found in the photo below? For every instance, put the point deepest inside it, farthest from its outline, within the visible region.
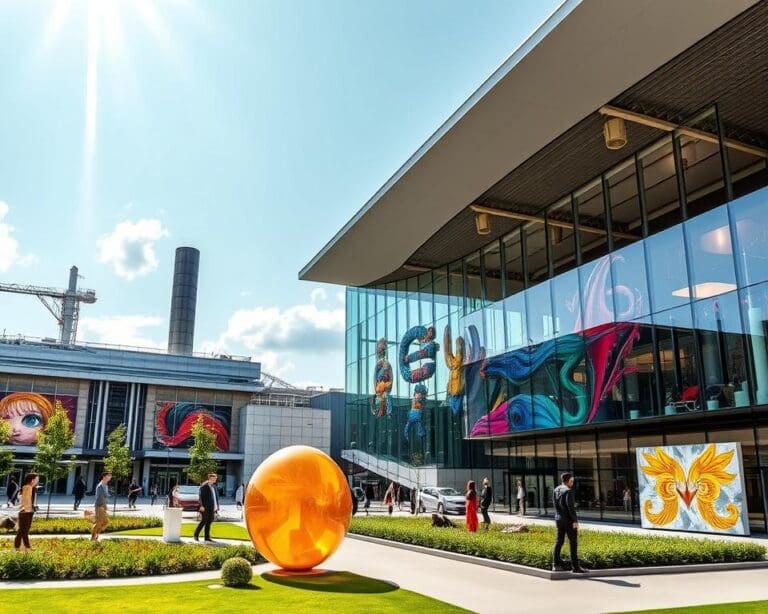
(332, 592)
(219, 530)
(748, 607)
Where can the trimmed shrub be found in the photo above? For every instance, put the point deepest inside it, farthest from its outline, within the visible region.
(77, 526)
(57, 558)
(236, 572)
(598, 549)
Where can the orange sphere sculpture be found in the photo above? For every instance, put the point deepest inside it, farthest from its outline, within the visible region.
(297, 507)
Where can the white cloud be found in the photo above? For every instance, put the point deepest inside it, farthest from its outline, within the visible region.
(280, 338)
(121, 330)
(130, 248)
(9, 247)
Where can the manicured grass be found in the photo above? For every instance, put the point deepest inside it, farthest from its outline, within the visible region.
(334, 592)
(76, 526)
(748, 607)
(70, 558)
(219, 530)
(598, 549)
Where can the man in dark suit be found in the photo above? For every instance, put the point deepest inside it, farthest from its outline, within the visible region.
(209, 505)
(567, 525)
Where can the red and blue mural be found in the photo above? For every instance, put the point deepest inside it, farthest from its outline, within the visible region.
(174, 422)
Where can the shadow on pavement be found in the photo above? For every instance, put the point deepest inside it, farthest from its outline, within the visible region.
(623, 583)
(329, 581)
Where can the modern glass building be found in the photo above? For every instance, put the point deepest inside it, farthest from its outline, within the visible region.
(574, 266)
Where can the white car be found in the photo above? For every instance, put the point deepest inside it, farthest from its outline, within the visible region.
(442, 500)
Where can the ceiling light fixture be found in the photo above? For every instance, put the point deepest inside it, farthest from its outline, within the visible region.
(615, 133)
(483, 223)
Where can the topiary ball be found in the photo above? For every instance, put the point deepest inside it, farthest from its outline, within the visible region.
(297, 507)
(236, 572)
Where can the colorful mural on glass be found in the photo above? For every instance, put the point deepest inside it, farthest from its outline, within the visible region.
(596, 349)
(428, 348)
(693, 488)
(382, 381)
(28, 413)
(174, 422)
(455, 363)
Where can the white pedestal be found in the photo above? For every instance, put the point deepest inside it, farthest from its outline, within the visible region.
(172, 524)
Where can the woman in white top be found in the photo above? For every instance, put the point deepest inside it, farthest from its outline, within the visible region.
(26, 510)
(520, 498)
(239, 494)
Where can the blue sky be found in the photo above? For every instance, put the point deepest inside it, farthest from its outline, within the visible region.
(251, 130)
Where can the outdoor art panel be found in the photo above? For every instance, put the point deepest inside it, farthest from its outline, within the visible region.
(693, 488)
(174, 421)
(29, 412)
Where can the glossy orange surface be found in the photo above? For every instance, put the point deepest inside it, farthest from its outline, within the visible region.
(297, 507)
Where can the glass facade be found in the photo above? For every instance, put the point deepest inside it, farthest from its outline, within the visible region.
(632, 306)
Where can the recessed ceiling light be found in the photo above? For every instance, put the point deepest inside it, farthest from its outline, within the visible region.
(705, 290)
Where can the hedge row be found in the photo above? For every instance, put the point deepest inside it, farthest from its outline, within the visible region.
(598, 549)
(77, 526)
(56, 558)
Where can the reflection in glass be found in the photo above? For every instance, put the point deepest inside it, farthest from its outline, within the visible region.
(710, 255)
(678, 361)
(667, 274)
(539, 307)
(565, 301)
(630, 280)
(754, 306)
(749, 219)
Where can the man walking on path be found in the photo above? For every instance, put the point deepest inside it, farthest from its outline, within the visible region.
(79, 491)
(100, 517)
(486, 498)
(209, 505)
(567, 524)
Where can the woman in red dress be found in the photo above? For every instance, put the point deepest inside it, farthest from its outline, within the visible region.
(471, 496)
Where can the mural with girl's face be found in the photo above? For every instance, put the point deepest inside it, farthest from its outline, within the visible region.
(29, 412)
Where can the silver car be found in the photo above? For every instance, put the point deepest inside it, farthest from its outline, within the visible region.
(441, 500)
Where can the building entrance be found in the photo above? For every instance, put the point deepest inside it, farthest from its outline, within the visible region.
(538, 492)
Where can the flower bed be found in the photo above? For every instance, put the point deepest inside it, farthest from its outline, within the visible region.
(76, 526)
(598, 549)
(57, 558)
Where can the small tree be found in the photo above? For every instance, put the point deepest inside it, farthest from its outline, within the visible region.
(6, 456)
(118, 461)
(55, 438)
(200, 461)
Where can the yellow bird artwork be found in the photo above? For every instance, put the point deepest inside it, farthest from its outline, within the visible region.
(706, 475)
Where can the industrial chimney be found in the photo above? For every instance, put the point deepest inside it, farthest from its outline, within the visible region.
(181, 329)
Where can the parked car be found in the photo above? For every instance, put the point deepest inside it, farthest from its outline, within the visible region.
(186, 497)
(442, 500)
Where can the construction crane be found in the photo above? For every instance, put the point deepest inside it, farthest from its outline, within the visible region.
(64, 305)
(273, 379)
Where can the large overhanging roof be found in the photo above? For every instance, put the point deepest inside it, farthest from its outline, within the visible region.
(584, 56)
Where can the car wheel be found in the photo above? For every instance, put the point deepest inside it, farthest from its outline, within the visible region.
(440, 509)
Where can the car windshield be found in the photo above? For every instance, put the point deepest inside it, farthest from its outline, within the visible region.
(187, 490)
(448, 492)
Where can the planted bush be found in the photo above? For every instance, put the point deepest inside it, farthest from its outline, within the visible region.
(76, 526)
(598, 549)
(54, 558)
(236, 572)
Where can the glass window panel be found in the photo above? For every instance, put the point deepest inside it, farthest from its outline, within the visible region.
(515, 315)
(640, 380)
(562, 239)
(441, 293)
(718, 324)
(660, 182)
(492, 273)
(539, 308)
(514, 264)
(679, 363)
(625, 204)
(536, 252)
(593, 237)
(351, 306)
(473, 287)
(754, 306)
(630, 283)
(667, 274)
(749, 219)
(583, 454)
(475, 334)
(684, 438)
(494, 328)
(749, 171)
(566, 304)
(702, 166)
(709, 254)
(456, 286)
(596, 293)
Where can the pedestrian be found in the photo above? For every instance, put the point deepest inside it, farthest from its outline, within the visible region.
(389, 498)
(400, 497)
(153, 490)
(627, 498)
(12, 492)
(133, 493)
(171, 493)
(354, 501)
(26, 510)
(209, 505)
(368, 498)
(520, 498)
(79, 491)
(486, 498)
(239, 496)
(567, 524)
(471, 497)
(100, 517)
